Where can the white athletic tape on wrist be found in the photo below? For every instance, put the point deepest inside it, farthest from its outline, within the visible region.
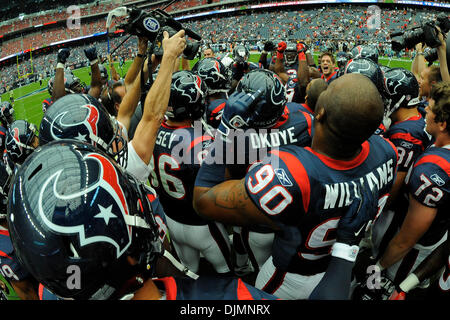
(409, 283)
(379, 265)
(344, 251)
(93, 62)
(60, 65)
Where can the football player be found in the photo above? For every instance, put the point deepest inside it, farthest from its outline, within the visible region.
(258, 108)
(217, 78)
(72, 84)
(84, 118)
(429, 268)
(177, 157)
(407, 133)
(292, 67)
(302, 192)
(6, 118)
(425, 225)
(15, 282)
(73, 207)
(241, 65)
(21, 140)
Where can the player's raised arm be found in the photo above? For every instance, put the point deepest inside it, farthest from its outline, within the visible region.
(157, 99)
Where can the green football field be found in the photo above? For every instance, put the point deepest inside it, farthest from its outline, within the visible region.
(28, 99)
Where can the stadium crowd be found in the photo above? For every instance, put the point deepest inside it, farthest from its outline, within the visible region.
(234, 180)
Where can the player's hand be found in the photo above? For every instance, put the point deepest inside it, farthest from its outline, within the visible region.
(142, 45)
(269, 46)
(354, 221)
(398, 295)
(281, 46)
(91, 53)
(63, 54)
(175, 45)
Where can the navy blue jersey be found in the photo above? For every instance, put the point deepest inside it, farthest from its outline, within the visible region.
(10, 269)
(210, 288)
(291, 70)
(305, 108)
(306, 193)
(3, 132)
(176, 160)
(214, 112)
(410, 139)
(294, 127)
(204, 288)
(429, 184)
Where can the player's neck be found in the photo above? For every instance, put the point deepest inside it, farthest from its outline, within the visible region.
(330, 146)
(403, 114)
(183, 123)
(442, 139)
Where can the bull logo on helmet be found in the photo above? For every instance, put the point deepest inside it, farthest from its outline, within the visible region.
(107, 210)
(90, 123)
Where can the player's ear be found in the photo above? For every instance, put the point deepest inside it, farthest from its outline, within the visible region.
(320, 113)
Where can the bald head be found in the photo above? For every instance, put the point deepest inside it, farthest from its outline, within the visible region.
(353, 108)
(313, 91)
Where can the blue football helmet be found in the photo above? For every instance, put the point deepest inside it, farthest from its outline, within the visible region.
(187, 96)
(6, 113)
(72, 84)
(84, 118)
(72, 210)
(5, 179)
(21, 140)
(368, 68)
(402, 89)
(365, 51)
(258, 102)
(216, 76)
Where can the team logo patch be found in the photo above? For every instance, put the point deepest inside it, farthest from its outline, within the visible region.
(437, 179)
(283, 177)
(407, 145)
(107, 214)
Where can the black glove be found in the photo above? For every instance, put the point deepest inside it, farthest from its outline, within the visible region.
(63, 54)
(353, 222)
(269, 46)
(91, 53)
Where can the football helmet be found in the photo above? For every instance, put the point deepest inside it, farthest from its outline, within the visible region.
(290, 54)
(187, 96)
(216, 76)
(240, 53)
(402, 89)
(72, 84)
(20, 139)
(5, 179)
(342, 59)
(258, 102)
(368, 68)
(84, 118)
(72, 210)
(6, 113)
(365, 51)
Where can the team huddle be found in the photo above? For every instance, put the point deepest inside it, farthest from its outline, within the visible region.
(288, 179)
